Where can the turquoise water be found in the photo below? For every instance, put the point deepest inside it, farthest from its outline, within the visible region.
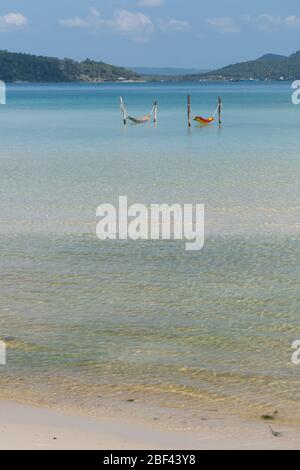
(148, 320)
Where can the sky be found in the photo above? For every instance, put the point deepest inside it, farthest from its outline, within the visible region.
(202, 34)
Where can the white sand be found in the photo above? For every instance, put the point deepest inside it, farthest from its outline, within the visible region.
(26, 427)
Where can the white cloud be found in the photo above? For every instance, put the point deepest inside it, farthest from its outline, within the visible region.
(94, 12)
(264, 22)
(93, 19)
(224, 24)
(150, 3)
(293, 21)
(127, 22)
(135, 24)
(171, 24)
(122, 22)
(12, 21)
(269, 23)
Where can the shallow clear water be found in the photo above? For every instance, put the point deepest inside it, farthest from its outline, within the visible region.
(147, 319)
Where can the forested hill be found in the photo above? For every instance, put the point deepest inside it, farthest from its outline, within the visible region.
(267, 67)
(19, 67)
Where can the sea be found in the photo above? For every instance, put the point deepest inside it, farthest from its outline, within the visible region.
(147, 320)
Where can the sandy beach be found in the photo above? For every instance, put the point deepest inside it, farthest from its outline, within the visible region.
(25, 427)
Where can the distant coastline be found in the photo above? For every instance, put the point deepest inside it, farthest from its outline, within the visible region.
(18, 67)
(26, 68)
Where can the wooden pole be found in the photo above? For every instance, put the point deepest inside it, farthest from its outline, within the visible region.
(220, 109)
(189, 110)
(123, 110)
(155, 111)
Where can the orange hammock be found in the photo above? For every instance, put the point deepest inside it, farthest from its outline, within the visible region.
(206, 121)
(203, 121)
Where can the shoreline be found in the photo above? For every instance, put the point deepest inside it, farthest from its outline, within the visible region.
(154, 81)
(38, 428)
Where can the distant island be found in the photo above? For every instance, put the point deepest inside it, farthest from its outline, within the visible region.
(267, 67)
(19, 67)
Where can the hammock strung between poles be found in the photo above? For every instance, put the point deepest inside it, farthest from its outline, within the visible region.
(203, 121)
(206, 121)
(141, 119)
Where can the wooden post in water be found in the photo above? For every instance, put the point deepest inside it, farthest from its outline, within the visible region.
(155, 112)
(220, 104)
(189, 110)
(123, 111)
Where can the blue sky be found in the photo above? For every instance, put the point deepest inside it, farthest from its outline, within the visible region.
(164, 33)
